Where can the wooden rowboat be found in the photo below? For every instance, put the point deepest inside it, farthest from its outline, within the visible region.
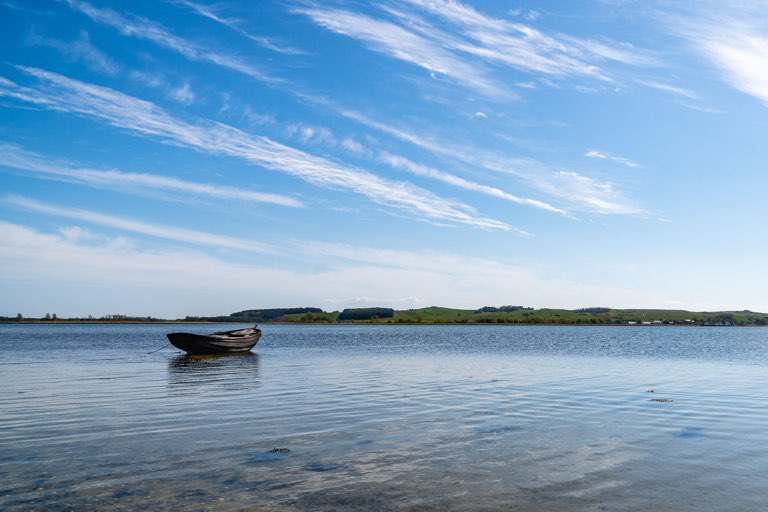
(240, 340)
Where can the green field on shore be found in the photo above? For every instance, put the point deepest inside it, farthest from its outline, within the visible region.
(439, 315)
(499, 315)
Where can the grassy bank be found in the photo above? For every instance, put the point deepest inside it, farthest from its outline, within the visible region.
(531, 316)
(504, 315)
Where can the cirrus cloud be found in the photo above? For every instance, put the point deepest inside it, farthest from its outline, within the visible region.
(144, 118)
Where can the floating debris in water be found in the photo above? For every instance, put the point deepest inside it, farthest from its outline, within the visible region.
(665, 400)
(269, 455)
(651, 391)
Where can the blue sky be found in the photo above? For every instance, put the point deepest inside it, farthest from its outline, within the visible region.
(192, 158)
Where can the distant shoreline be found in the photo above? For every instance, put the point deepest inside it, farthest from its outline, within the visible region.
(350, 324)
(433, 315)
(111, 322)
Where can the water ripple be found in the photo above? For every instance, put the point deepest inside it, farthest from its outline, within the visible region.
(392, 418)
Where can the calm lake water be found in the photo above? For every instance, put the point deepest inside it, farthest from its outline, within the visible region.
(386, 418)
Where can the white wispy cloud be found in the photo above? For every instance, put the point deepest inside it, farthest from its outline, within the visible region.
(528, 49)
(684, 96)
(13, 156)
(576, 191)
(256, 118)
(436, 53)
(27, 9)
(580, 192)
(308, 133)
(736, 49)
(354, 147)
(400, 162)
(53, 267)
(149, 79)
(602, 155)
(210, 12)
(528, 14)
(142, 28)
(398, 42)
(184, 94)
(180, 91)
(474, 157)
(596, 196)
(143, 228)
(147, 119)
(81, 49)
(672, 89)
(731, 35)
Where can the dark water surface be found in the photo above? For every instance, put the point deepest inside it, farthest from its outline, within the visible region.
(386, 418)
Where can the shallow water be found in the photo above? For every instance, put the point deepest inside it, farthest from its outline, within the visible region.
(386, 418)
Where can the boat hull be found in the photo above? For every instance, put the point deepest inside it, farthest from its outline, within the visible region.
(217, 343)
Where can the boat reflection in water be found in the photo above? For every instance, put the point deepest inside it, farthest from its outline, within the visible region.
(232, 371)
